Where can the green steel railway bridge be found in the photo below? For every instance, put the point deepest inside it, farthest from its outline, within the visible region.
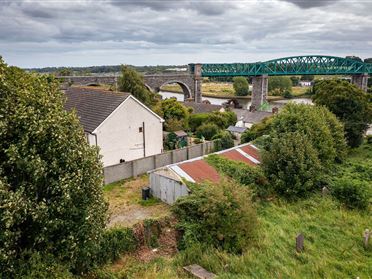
(260, 71)
(295, 65)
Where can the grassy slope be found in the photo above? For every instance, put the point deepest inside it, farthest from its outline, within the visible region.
(333, 244)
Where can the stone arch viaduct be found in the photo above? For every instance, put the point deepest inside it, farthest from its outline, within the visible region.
(191, 81)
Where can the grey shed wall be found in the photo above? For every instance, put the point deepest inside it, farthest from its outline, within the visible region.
(166, 188)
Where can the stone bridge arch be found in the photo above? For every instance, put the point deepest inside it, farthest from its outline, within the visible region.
(186, 82)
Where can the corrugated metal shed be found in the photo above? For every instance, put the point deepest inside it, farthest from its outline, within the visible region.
(166, 183)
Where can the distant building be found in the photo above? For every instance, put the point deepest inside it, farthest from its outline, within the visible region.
(203, 107)
(236, 131)
(248, 118)
(305, 83)
(122, 127)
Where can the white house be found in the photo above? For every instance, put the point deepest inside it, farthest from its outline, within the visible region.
(122, 127)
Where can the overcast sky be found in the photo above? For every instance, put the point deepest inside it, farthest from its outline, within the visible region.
(162, 32)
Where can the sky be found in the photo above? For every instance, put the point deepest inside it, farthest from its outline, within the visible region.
(162, 32)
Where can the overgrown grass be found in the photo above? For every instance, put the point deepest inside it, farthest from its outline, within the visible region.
(333, 241)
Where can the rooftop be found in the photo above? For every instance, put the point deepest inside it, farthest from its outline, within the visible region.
(93, 105)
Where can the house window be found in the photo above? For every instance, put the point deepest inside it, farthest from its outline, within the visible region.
(140, 129)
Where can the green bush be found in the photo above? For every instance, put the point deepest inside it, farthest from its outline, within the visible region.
(257, 130)
(241, 86)
(207, 130)
(114, 243)
(291, 164)
(280, 84)
(242, 173)
(220, 215)
(223, 140)
(353, 193)
(197, 120)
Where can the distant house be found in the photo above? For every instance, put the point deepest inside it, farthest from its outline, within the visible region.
(248, 118)
(203, 107)
(305, 83)
(236, 131)
(122, 127)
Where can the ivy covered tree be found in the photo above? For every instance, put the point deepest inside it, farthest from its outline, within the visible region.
(51, 202)
(175, 114)
(350, 104)
(132, 82)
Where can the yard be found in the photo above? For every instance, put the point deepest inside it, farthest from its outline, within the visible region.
(333, 245)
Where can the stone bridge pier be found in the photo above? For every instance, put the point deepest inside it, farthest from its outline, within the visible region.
(259, 91)
(361, 81)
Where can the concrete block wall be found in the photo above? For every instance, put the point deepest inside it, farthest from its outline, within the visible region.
(141, 166)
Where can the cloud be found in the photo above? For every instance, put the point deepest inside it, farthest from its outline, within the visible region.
(305, 4)
(86, 32)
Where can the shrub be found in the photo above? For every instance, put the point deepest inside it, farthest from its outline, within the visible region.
(197, 120)
(207, 130)
(281, 84)
(353, 193)
(114, 243)
(223, 140)
(291, 164)
(220, 215)
(241, 173)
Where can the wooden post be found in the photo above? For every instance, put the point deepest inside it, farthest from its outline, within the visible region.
(366, 236)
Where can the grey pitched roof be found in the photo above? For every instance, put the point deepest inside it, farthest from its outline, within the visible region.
(93, 106)
(252, 117)
(235, 129)
(201, 107)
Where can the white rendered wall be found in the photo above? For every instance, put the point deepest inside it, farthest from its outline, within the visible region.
(119, 138)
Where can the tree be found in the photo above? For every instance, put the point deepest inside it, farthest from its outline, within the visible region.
(291, 164)
(349, 103)
(368, 60)
(295, 80)
(207, 130)
(132, 82)
(281, 84)
(223, 140)
(174, 113)
(51, 180)
(321, 128)
(241, 86)
(353, 57)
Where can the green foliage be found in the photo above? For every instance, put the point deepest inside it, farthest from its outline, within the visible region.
(287, 94)
(350, 104)
(132, 82)
(307, 78)
(114, 243)
(355, 194)
(351, 182)
(320, 127)
(51, 179)
(295, 80)
(220, 215)
(197, 119)
(241, 173)
(207, 130)
(223, 140)
(175, 114)
(257, 130)
(291, 164)
(170, 141)
(279, 83)
(241, 86)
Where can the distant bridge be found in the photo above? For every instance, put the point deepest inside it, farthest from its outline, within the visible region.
(295, 65)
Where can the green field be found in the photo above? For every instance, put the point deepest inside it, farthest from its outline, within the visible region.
(333, 242)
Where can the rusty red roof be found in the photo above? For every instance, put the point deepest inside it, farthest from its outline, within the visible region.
(237, 156)
(200, 171)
